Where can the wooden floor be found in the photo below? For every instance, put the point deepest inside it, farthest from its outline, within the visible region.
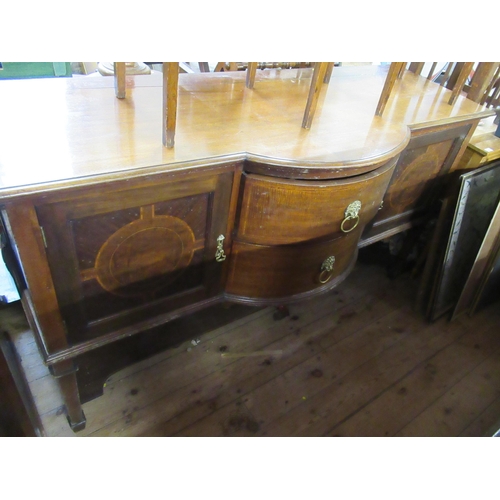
(358, 361)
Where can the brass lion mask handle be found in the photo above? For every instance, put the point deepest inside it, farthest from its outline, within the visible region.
(220, 256)
(351, 213)
(326, 269)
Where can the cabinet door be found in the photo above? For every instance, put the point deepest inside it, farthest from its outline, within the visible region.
(122, 256)
(418, 179)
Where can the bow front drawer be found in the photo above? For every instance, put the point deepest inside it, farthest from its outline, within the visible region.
(283, 211)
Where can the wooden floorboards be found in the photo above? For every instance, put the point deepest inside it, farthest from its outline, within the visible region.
(358, 361)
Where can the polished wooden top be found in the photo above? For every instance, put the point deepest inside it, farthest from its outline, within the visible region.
(70, 130)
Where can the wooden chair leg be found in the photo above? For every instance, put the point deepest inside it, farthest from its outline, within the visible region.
(494, 102)
(447, 74)
(120, 88)
(170, 89)
(457, 67)
(459, 84)
(312, 100)
(416, 67)
(251, 71)
(486, 96)
(220, 66)
(204, 67)
(431, 72)
(483, 76)
(392, 75)
(328, 73)
(401, 70)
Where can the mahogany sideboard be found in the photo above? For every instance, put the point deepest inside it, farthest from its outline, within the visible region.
(111, 234)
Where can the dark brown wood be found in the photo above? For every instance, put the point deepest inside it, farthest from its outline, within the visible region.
(120, 85)
(363, 335)
(25, 231)
(453, 77)
(418, 179)
(117, 257)
(314, 91)
(336, 357)
(276, 274)
(65, 373)
(97, 366)
(394, 70)
(170, 89)
(460, 81)
(251, 70)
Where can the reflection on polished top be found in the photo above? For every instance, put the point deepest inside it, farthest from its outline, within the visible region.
(65, 130)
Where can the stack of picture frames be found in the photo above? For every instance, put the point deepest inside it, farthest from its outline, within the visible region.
(462, 270)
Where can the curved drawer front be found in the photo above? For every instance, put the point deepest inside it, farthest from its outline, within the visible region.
(267, 272)
(283, 211)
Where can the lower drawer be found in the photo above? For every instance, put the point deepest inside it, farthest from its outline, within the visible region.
(269, 274)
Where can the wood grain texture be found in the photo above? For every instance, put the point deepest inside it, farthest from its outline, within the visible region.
(218, 120)
(94, 225)
(278, 211)
(319, 72)
(170, 97)
(484, 78)
(460, 81)
(358, 354)
(285, 273)
(419, 177)
(120, 257)
(395, 70)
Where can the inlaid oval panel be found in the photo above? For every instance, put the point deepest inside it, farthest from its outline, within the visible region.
(145, 255)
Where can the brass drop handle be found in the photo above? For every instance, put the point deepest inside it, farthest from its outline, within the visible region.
(326, 269)
(351, 213)
(220, 256)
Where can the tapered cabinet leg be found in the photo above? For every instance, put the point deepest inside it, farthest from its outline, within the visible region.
(65, 373)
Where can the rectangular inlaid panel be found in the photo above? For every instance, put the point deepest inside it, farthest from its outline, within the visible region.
(418, 179)
(116, 262)
(131, 257)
